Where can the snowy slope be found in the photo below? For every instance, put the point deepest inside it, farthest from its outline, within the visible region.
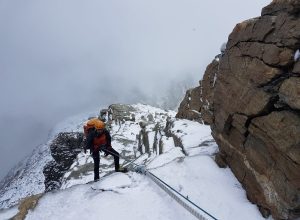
(27, 177)
(134, 197)
(188, 166)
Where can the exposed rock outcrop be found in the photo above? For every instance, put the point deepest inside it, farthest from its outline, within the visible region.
(253, 92)
(64, 150)
(190, 107)
(26, 205)
(121, 112)
(196, 104)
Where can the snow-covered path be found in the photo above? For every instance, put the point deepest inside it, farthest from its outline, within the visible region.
(134, 197)
(189, 168)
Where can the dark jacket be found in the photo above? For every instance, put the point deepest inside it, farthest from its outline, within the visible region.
(98, 139)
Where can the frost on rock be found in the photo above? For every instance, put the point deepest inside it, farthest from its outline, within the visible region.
(215, 79)
(297, 55)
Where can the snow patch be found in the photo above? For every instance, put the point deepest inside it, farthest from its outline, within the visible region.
(166, 158)
(6, 214)
(215, 190)
(142, 201)
(116, 180)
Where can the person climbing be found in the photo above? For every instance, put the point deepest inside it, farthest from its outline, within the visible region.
(98, 139)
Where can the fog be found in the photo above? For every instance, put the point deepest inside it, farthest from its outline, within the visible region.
(63, 57)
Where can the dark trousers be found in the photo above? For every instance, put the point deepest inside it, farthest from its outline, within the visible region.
(96, 157)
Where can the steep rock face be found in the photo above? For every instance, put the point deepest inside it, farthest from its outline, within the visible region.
(64, 150)
(254, 108)
(191, 105)
(196, 104)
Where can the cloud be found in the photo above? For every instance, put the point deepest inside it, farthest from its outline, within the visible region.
(59, 58)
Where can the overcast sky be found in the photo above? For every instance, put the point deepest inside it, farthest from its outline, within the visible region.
(63, 57)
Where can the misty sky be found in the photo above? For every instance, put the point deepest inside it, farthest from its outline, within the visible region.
(63, 57)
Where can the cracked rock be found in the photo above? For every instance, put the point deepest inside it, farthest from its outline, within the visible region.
(251, 96)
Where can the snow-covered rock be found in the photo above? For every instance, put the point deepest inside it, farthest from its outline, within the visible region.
(26, 178)
(180, 152)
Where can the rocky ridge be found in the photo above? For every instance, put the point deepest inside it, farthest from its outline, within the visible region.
(153, 138)
(60, 163)
(138, 133)
(26, 178)
(250, 96)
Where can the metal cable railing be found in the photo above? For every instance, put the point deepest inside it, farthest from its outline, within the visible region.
(190, 206)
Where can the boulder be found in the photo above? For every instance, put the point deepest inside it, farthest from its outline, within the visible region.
(190, 107)
(64, 150)
(196, 104)
(121, 112)
(290, 92)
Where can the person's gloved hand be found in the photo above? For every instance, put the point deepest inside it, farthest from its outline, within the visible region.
(84, 150)
(109, 149)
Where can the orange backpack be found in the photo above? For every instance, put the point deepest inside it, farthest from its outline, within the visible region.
(93, 123)
(89, 124)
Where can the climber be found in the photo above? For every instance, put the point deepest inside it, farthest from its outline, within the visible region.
(98, 139)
